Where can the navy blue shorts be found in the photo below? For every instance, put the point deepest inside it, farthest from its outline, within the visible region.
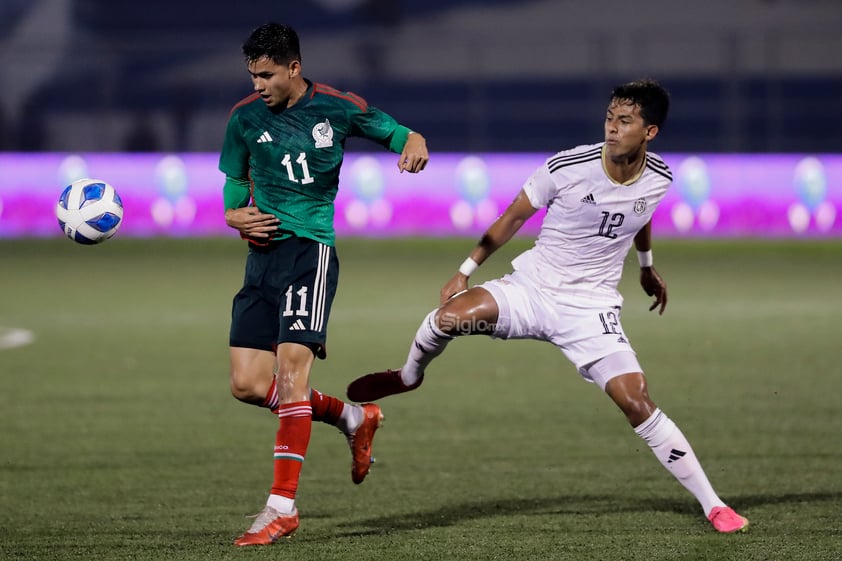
(286, 296)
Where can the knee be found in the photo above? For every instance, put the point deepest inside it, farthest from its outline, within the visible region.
(444, 320)
(469, 313)
(631, 395)
(243, 387)
(637, 410)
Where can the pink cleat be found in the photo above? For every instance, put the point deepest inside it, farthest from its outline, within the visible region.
(372, 387)
(727, 521)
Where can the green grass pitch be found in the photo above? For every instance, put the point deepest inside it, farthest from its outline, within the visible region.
(119, 439)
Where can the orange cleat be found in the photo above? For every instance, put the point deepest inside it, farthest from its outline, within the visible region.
(372, 387)
(360, 442)
(727, 521)
(269, 526)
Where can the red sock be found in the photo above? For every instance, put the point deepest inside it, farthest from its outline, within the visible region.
(326, 408)
(291, 446)
(271, 402)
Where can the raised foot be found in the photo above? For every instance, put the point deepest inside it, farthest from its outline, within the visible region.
(378, 385)
(361, 442)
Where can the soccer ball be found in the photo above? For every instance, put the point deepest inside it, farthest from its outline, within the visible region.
(89, 211)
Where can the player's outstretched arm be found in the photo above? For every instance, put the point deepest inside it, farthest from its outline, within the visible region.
(414, 156)
(500, 232)
(650, 280)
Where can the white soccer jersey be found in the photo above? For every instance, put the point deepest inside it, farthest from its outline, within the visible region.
(590, 224)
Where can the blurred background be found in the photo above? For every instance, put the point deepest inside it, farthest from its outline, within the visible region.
(474, 76)
(114, 398)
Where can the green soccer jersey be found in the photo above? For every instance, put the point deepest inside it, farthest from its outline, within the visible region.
(292, 157)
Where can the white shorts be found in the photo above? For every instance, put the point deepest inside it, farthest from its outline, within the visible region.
(584, 334)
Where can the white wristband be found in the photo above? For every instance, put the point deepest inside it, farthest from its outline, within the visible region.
(645, 258)
(468, 267)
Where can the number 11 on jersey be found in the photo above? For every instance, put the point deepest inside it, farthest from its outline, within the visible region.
(301, 161)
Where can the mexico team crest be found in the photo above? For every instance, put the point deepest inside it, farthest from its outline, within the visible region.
(639, 206)
(323, 135)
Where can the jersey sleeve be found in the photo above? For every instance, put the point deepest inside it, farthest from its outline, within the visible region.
(540, 187)
(378, 126)
(234, 157)
(236, 193)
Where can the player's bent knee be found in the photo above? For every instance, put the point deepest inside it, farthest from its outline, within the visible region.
(471, 312)
(621, 377)
(447, 321)
(637, 410)
(244, 388)
(631, 395)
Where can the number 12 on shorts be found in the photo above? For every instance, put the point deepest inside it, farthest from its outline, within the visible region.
(610, 323)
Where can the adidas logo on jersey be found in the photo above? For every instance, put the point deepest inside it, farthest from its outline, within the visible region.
(589, 200)
(265, 137)
(297, 326)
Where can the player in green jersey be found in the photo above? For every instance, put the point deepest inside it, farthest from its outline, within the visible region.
(281, 158)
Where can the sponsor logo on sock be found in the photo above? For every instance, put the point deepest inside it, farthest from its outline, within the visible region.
(589, 200)
(675, 455)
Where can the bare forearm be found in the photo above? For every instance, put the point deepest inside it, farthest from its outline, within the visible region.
(504, 228)
(643, 239)
(497, 235)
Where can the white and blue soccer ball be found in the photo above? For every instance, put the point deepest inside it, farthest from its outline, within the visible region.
(89, 211)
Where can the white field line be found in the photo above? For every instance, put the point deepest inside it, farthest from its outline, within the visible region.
(11, 337)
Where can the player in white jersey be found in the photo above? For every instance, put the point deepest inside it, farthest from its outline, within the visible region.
(599, 199)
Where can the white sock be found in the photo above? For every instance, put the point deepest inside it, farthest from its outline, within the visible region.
(429, 343)
(674, 452)
(284, 505)
(350, 419)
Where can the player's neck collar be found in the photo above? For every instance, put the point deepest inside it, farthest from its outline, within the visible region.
(631, 179)
(305, 96)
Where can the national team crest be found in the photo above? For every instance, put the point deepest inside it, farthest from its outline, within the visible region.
(640, 206)
(323, 135)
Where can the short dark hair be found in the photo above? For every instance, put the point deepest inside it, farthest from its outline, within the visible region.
(649, 95)
(275, 41)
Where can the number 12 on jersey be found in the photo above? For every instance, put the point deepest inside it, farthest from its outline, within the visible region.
(606, 226)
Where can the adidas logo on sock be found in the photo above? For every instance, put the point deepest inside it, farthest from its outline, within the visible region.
(675, 455)
(265, 137)
(297, 326)
(589, 200)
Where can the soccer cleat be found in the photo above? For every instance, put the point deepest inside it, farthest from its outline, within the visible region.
(372, 387)
(727, 521)
(269, 526)
(360, 442)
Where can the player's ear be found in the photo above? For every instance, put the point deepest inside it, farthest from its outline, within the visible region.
(651, 132)
(294, 68)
